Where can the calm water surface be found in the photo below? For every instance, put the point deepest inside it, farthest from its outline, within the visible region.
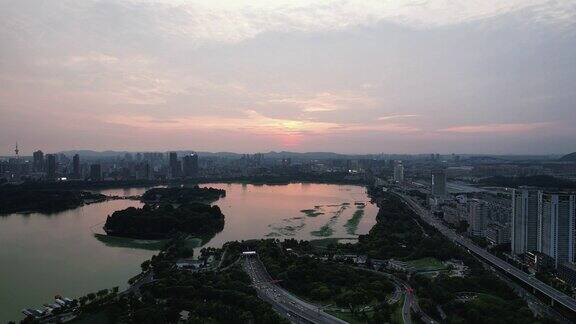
(43, 255)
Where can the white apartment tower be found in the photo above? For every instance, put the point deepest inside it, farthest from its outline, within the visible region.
(556, 227)
(525, 211)
(399, 172)
(478, 217)
(544, 222)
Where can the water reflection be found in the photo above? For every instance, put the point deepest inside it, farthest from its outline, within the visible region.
(61, 253)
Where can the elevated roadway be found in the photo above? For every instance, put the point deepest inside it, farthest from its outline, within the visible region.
(553, 294)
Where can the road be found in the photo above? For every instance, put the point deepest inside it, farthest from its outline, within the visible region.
(493, 260)
(288, 305)
(135, 287)
(410, 299)
(406, 308)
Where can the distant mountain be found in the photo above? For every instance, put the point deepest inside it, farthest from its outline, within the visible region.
(541, 181)
(569, 157)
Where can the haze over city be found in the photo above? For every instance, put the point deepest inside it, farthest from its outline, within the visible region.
(345, 76)
(288, 161)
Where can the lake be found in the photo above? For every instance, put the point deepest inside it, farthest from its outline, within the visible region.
(42, 255)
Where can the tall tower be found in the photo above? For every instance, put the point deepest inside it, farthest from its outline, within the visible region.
(174, 165)
(190, 165)
(76, 166)
(557, 220)
(439, 183)
(51, 166)
(38, 161)
(526, 206)
(399, 172)
(478, 217)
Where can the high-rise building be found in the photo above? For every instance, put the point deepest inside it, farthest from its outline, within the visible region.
(144, 171)
(174, 165)
(51, 166)
(556, 226)
(478, 217)
(190, 165)
(439, 183)
(95, 172)
(76, 166)
(498, 234)
(544, 222)
(524, 230)
(38, 163)
(399, 172)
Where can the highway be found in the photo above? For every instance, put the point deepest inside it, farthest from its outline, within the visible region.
(410, 299)
(288, 305)
(554, 294)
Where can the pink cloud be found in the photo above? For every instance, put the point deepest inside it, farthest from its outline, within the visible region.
(496, 128)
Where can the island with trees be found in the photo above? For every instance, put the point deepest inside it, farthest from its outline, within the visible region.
(163, 221)
(16, 199)
(183, 195)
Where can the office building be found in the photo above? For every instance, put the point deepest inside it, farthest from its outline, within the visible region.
(524, 221)
(38, 158)
(498, 234)
(143, 171)
(51, 166)
(399, 172)
(95, 172)
(439, 183)
(477, 217)
(190, 165)
(76, 167)
(556, 227)
(174, 165)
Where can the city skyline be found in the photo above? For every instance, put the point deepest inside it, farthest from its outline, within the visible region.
(342, 76)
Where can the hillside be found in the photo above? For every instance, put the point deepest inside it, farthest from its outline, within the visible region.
(569, 157)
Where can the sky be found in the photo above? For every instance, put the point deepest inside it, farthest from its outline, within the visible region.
(418, 76)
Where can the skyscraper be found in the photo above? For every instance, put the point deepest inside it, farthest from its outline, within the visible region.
(556, 232)
(95, 172)
(38, 163)
(51, 166)
(525, 211)
(399, 172)
(439, 183)
(76, 166)
(190, 165)
(478, 217)
(174, 165)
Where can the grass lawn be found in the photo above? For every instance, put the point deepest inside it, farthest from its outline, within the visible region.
(193, 242)
(427, 264)
(324, 242)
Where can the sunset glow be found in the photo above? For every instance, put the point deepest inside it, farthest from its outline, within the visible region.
(348, 76)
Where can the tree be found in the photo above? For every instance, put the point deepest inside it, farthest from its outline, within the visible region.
(145, 265)
(352, 299)
(102, 293)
